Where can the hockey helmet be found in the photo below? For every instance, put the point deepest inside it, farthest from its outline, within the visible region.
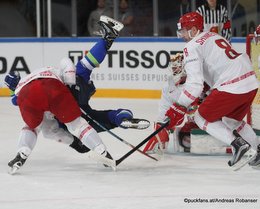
(67, 71)
(188, 20)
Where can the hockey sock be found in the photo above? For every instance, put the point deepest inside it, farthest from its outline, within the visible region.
(27, 138)
(244, 130)
(97, 53)
(216, 129)
(92, 59)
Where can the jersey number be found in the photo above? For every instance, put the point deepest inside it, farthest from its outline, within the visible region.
(231, 53)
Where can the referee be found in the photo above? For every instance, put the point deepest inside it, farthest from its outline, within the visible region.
(215, 18)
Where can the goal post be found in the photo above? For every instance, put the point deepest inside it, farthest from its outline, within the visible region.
(253, 50)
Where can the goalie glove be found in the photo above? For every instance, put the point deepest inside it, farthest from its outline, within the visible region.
(176, 115)
(158, 142)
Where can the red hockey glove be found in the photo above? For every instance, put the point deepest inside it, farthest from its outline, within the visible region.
(153, 145)
(176, 115)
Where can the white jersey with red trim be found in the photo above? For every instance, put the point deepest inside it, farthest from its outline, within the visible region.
(170, 95)
(66, 73)
(210, 58)
(46, 72)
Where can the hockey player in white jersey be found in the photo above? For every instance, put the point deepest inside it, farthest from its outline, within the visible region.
(256, 161)
(42, 95)
(170, 94)
(82, 91)
(208, 57)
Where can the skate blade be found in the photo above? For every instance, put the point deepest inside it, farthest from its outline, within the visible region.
(249, 155)
(13, 170)
(118, 26)
(135, 124)
(256, 167)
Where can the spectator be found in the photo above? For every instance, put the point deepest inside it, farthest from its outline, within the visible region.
(238, 14)
(251, 27)
(126, 17)
(215, 17)
(93, 27)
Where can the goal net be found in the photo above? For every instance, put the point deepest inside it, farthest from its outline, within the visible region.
(253, 50)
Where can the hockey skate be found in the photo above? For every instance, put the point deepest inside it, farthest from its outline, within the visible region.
(110, 29)
(16, 163)
(240, 149)
(105, 159)
(135, 123)
(255, 162)
(79, 146)
(101, 155)
(107, 155)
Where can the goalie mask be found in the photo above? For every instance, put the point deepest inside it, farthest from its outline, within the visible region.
(68, 72)
(176, 67)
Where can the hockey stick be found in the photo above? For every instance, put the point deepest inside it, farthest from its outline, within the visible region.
(118, 137)
(142, 143)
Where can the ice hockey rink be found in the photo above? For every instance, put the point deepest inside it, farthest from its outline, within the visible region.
(57, 177)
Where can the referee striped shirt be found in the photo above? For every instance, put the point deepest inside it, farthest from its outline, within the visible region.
(216, 20)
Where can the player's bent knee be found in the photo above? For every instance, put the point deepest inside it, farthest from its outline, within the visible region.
(231, 123)
(79, 127)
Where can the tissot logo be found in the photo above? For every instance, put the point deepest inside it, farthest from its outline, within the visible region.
(131, 58)
(75, 56)
(18, 64)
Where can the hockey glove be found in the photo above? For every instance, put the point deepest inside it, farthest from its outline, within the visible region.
(159, 141)
(117, 116)
(14, 99)
(176, 115)
(12, 79)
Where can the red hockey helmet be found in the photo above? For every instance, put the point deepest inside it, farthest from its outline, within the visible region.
(188, 20)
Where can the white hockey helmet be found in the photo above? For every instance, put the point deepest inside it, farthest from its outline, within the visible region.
(68, 71)
(176, 67)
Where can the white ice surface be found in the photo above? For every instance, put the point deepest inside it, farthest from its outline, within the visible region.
(57, 177)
